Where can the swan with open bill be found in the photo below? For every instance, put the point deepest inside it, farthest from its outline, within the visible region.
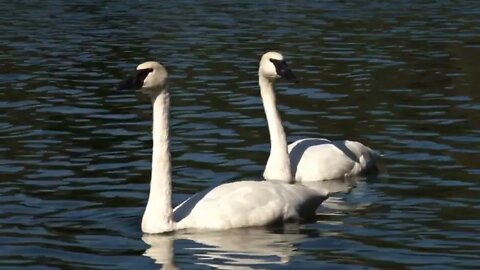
(231, 205)
(311, 159)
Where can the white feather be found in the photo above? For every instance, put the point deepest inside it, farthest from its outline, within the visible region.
(317, 159)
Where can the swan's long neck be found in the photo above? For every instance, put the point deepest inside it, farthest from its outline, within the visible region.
(278, 164)
(158, 213)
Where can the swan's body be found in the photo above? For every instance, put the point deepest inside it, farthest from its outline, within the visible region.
(307, 159)
(231, 205)
(250, 203)
(317, 159)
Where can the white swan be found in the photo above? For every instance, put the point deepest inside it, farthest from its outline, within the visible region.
(312, 159)
(231, 205)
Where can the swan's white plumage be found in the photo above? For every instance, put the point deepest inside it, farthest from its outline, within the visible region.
(317, 159)
(231, 205)
(252, 203)
(308, 159)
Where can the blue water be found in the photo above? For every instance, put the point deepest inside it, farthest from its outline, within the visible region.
(75, 153)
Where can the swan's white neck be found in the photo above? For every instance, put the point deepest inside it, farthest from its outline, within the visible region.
(158, 214)
(278, 164)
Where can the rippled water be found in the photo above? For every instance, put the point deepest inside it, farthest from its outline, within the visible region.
(401, 77)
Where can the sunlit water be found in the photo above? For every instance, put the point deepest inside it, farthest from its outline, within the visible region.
(75, 153)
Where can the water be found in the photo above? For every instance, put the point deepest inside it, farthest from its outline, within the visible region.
(401, 77)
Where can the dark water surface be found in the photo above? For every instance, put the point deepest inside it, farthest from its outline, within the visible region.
(401, 77)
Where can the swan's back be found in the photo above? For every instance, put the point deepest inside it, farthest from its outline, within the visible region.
(252, 203)
(317, 159)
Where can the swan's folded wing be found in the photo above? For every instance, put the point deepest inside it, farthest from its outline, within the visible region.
(251, 203)
(319, 159)
(184, 209)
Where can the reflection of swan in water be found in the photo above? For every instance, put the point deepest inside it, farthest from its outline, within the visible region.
(335, 186)
(311, 159)
(161, 249)
(232, 249)
(345, 195)
(227, 206)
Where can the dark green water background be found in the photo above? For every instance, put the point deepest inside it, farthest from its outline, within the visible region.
(400, 76)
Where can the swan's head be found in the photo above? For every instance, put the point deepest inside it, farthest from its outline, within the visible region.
(150, 76)
(273, 66)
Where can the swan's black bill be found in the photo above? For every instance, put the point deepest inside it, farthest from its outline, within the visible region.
(136, 81)
(284, 71)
